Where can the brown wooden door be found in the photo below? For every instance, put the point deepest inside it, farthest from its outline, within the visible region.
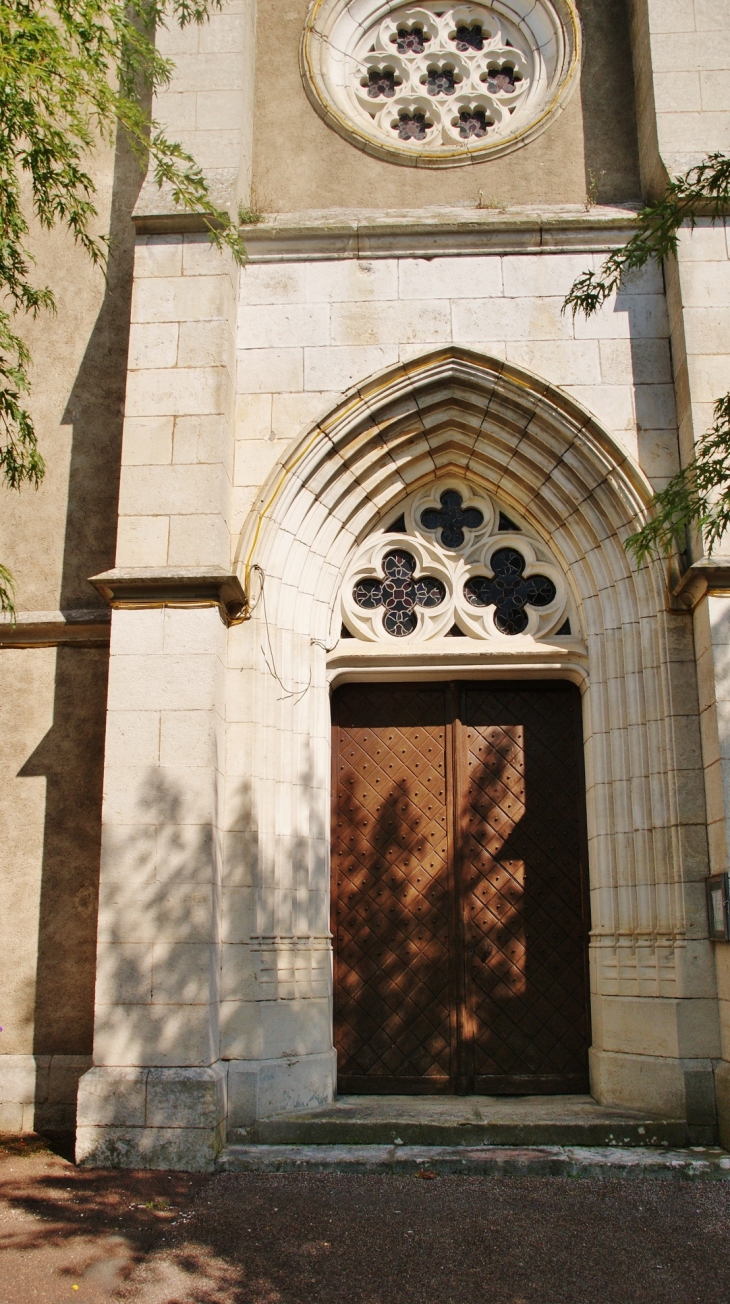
(458, 872)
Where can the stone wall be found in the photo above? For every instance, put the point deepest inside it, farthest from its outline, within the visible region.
(54, 682)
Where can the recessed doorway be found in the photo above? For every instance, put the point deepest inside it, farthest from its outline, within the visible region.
(459, 903)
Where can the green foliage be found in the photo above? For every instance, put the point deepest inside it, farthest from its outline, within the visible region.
(698, 495)
(7, 591)
(703, 192)
(71, 73)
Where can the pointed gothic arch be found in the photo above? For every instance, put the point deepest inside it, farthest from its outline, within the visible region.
(540, 453)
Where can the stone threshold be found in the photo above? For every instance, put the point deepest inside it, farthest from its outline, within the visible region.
(697, 1163)
(469, 1121)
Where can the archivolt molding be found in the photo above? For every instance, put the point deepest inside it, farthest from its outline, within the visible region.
(459, 418)
(441, 82)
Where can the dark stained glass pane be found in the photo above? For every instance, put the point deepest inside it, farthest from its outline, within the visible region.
(509, 592)
(368, 594)
(469, 38)
(381, 83)
(440, 81)
(451, 519)
(410, 42)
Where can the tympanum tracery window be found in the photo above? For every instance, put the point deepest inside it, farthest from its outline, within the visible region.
(440, 81)
(398, 593)
(452, 564)
(509, 592)
(451, 518)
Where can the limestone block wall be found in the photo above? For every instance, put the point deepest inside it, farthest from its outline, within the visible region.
(681, 59)
(155, 1090)
(228, 372)
(208, 105)
(655, 1016)
(175, 495)
(158, 964)
(308, 331)
(698, 284)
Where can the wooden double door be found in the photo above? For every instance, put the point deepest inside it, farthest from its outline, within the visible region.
(459, 908)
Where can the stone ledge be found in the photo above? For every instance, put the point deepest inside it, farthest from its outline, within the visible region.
(83, 628)
(418, 233)
(140, 588)
(708, 575)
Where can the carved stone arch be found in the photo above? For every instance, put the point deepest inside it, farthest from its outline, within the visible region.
(537, 451)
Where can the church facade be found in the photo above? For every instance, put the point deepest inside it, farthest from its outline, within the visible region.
(359, 754)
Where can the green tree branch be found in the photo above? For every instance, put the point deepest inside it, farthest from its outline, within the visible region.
(71, 73)
(698, 495)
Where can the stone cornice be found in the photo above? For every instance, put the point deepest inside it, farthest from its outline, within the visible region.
(708, 575)
(174, 586)
(87, 627)
(419, 233)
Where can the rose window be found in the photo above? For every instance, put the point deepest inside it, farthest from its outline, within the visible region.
(438, 82)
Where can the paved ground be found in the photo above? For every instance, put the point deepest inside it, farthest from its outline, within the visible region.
(157, 1238)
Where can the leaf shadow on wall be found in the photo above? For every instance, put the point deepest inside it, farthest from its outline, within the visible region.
(161, 922)
(609, 111)
(71, 755)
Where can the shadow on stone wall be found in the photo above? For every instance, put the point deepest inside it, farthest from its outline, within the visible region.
(609, 110)
(160, 914)
(70, 756)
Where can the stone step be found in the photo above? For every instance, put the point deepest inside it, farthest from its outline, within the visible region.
(699, 1162)
(469, 1121)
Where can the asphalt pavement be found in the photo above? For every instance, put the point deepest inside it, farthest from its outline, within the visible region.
(340, 1238)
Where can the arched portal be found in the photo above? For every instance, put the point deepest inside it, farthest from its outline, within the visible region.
(543, 456)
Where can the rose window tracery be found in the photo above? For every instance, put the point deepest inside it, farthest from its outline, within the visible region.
(382, 82)
(452, 563)
(439, 81)
(399, 593)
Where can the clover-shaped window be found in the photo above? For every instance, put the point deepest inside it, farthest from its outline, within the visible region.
(509, 592)
(399, 593)
(451, 519)
(411, 42)
(412, 126)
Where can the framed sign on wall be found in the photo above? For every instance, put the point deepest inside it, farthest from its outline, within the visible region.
(717, 907)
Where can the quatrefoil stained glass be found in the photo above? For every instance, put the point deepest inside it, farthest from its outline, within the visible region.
(399, 593)
(451, 519)
(509, 592)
